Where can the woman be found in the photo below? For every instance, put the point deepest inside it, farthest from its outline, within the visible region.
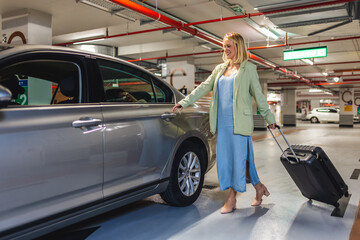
(234, 83)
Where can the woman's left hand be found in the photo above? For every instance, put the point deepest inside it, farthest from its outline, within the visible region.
(272, 126)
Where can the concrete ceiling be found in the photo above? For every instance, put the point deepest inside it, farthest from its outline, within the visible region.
(75, 20)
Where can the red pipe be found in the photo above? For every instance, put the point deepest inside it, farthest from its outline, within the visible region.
(161, 18)
(201, 53)
(114, 36)
(174, 56)
(353, 75)
(185, 27)
(354, 81)
(217, 20)
(180, 26)
(316, 64)
(269, 12)
(303, 43)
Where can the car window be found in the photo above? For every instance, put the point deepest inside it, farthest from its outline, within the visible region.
(123, 84)
(322, 110)
(163, 93)
(42, 82)
(332, 110)
(127, 84)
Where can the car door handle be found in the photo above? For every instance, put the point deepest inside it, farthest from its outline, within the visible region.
(86, 122)
(168, 115)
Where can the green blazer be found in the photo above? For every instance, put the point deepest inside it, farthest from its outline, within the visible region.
(246, 86)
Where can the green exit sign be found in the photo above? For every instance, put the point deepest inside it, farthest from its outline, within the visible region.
(303, 53)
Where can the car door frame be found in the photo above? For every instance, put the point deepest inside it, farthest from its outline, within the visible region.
(81, 61)
(154, 182)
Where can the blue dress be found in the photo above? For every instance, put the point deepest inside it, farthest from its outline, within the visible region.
(232, 150)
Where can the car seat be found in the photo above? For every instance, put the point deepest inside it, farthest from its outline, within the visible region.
(11, 82)
(141, 95)
(69, 87)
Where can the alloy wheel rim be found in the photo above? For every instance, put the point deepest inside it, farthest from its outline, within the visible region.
(189, 173)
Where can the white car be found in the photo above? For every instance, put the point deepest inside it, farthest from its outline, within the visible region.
(326, 114)
(323, 114)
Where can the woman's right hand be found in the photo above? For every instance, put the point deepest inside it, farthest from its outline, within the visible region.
(177, 107)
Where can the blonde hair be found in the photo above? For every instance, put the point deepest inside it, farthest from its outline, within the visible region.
(241, 50)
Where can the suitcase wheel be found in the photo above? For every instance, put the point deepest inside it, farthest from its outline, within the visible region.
(336, 205)
(346, 194)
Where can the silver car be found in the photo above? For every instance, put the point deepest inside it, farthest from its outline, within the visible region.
(82, 134)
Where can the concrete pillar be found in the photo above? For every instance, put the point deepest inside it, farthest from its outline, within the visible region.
(181, 75)
(346, 107)
(314, 103)
(27, 26)
(288, 106)
(259, 121)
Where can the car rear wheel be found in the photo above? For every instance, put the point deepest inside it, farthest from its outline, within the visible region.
(187, 176)
(314, 120)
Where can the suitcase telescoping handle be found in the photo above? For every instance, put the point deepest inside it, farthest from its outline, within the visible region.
(291, 149)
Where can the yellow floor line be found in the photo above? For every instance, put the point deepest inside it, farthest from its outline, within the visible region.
(355, 231)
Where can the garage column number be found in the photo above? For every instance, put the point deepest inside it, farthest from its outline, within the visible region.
(304, 53)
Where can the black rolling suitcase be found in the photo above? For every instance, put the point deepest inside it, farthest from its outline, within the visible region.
(313, 172)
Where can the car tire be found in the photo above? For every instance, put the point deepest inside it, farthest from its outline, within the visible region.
(314, 120)
(187, 176)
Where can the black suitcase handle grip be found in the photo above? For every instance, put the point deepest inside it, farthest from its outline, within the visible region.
(283, 152)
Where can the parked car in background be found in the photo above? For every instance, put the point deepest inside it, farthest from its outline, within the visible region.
(326, 114)
(323, 114)
(84, 133)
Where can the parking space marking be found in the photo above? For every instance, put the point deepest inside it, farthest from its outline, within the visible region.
(355, 174)
(343, 203)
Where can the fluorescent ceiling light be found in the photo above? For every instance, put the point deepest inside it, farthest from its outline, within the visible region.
(206, 47)
(308, 61)
(89, 41)
(315, 90)
(267, 33)
(109, 7)
(325, 73)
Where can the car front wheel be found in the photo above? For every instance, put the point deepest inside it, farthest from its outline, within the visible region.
(314, 120)
(187, 176)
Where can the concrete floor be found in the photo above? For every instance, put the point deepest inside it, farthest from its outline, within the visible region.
(285, 214)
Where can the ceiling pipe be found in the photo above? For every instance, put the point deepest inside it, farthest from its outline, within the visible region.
(220, 20)
(161, 18)
(202, 53)
(113, 36)
(303, 43)
(185, 27)
(280, 84)
(174, 56)
(270, 12)
(317, 64)
(324, 77)
(180, 26)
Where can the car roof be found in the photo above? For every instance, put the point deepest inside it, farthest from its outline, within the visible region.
(8, 50)
(325, 107)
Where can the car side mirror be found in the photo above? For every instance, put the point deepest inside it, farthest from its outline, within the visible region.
(5, 97)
